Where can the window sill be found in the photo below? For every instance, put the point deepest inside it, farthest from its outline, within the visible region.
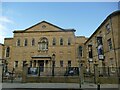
(43, 50)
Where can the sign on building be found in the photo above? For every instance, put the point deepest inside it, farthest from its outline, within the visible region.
(100, 48)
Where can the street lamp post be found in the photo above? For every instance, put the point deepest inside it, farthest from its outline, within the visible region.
(89, 67)
(39, 70)
(53, 64)
(12, 75)
(24, 73)
(79, 73)
(2, 72)
(95, 72)
(4, 67)
(1, 69)
(80, 70)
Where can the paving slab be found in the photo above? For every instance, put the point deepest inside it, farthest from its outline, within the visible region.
(56, 85)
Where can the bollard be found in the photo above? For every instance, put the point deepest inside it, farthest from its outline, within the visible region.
(12, 77)
(98, 86)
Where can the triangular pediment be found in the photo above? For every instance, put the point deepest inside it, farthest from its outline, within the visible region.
(44, 26)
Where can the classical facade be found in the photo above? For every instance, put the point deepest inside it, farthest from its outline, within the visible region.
(37, 44)
(103, 46)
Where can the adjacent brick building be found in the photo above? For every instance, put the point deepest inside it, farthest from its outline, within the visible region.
(1, 52)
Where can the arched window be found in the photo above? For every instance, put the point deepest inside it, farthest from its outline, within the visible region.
(54, 41)
(18, 42)
(61, 41)
(25, 42)
(69, 41)
(43, 44)
(33, 42)
(7, 51)
(80, 51)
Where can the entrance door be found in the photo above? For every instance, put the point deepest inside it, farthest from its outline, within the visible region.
(41, 65)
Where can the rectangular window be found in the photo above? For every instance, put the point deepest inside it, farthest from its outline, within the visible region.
(61, 63)
(69, 41)
(24, 63)
(80, 50)
(109, 44)
(61, 41)
(111, 62)
(34, 63)
(90, 51)
(33, 42)
(16, 64)
(112, 65)
(69, 63)
(30, 63)
(108, 28)
(18, 42)
(54, 41)
(8, 52)
(25, 42)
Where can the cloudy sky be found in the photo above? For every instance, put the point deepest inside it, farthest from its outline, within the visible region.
(84, 17)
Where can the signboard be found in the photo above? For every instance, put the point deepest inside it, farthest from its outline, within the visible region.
(90, 59)
(32, 71)
(100, 48)
(101, 57)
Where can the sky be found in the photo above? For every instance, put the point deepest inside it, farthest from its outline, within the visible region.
(84, 17)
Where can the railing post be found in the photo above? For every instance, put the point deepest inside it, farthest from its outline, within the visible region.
(39, 71)
(24, 73)
(108, 71)
(98, 86)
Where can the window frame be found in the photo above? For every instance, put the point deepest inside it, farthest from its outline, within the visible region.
(54, 41)
(18, 42)
(8, 51)
(108, 28)
(110, 44)
(61, 63)
(80, 52)
(33, 42)
(31, 63)
(16, 64)
(26, 42)
(69, 63)
(69, 41)
(43, 44)
(24, 63)
(61, 41)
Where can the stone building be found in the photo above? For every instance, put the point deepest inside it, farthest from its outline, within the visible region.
(103, 46)
(37, 44)
(1, 53)
(1, 61)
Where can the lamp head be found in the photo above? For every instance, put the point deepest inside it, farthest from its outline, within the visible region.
(53, 56)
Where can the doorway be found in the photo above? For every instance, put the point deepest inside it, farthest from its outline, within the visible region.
(41, 65)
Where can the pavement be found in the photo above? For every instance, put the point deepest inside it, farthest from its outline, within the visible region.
(57, 85)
